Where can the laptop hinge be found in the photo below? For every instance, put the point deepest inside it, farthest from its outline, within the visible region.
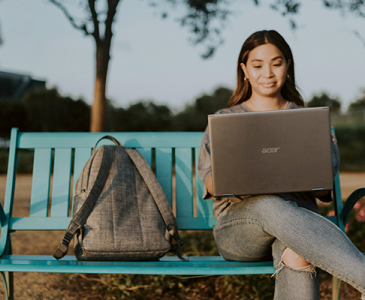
(317, 189)
(228, 195)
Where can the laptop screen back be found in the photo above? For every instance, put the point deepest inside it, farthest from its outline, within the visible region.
(271, 152)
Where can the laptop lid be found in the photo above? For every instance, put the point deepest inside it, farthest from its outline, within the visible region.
(271, 151)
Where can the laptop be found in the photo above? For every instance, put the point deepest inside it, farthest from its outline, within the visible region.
(271, 152)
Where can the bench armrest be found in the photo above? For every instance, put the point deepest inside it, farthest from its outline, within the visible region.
(349, 205)
(2, 216)
(4, 231)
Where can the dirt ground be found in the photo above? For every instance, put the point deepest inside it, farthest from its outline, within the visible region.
(44, 286)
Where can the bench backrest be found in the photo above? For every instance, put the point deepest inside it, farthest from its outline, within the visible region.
(60, 157)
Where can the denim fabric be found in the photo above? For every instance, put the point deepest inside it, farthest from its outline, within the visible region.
(261, 227)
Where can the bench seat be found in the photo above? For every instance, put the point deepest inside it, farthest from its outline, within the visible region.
(168, 265)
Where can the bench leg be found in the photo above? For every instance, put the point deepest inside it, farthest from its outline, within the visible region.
(8, 277)
(8, 285)
(336, 284)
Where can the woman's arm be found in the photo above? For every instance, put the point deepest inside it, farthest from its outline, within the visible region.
(204, 166)
(209, 184)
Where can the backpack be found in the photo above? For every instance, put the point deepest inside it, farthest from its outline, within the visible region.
(120, 210)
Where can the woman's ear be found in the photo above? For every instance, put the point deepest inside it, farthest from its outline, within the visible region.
(244, 69)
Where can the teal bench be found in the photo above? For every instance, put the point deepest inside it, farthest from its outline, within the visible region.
(173, 156)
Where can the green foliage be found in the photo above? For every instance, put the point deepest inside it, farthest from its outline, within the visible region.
(324, 99)
(351, 144)
(194, 117)
(47, 110)
(141, 116)
(25, 161)
(358, 105)
(250, 287)
(356, 227)
(12, 114)
(199, 243)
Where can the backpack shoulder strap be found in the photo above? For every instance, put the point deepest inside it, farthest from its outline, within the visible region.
(87, 207)
(159, 198)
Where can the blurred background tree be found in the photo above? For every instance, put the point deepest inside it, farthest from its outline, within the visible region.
(100, 17)
(324, 99)
(140, 116)
(43, 110)
(204, 19)
(12, 114)
(47, 110)
(194, 116)
(358, 105)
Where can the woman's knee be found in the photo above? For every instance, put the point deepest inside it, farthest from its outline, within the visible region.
(293, 260)
(290, 260)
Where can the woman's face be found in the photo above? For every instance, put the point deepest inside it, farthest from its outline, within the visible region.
(266, 70)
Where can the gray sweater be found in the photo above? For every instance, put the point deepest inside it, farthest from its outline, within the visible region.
(304, 199)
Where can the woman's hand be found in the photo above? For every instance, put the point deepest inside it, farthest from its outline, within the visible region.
(209, 184)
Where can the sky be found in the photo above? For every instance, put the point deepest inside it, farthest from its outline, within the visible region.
(152, 59)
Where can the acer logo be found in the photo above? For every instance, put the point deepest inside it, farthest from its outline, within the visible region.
(270, 150)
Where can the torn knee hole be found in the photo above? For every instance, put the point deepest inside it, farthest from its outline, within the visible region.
(294, 261)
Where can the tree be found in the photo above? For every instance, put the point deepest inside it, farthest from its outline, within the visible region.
(355, 7)
(47, 110)
(358, 105)
(12, 114)
(140, 116)
(91, 26)
(197, 113)
(200, 19)
(324, 99)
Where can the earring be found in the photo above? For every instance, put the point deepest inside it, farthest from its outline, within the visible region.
(287, 76)
(246, 79)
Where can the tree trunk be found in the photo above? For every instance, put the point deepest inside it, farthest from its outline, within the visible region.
(99, 104)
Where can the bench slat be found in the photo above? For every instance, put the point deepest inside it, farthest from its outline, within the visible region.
(28, 140)
(184, 180)
(40, 182)
(164, 171)
(61, 183)
(147, 155)
(82, 155)
(192, 223)
(169, 265)
(41, 223)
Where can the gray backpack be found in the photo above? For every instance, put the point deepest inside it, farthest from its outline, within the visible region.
(120, 210)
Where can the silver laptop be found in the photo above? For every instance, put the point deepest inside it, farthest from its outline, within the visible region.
(271, 152)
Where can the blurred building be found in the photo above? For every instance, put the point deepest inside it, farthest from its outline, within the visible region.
(13, 86)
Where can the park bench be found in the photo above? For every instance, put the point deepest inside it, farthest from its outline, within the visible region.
(173, 156)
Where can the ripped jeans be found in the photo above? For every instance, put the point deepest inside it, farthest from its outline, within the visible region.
(262, 227)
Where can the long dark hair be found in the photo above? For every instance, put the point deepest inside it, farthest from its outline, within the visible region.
(243, 89)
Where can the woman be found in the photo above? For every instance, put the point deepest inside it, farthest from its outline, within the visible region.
(286, 227)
